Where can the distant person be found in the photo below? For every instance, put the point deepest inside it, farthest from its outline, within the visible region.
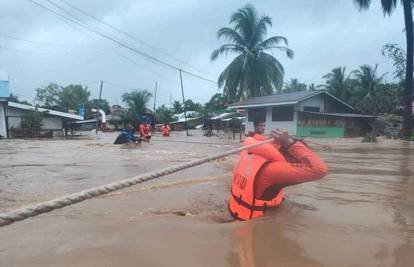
(149, 128)
(259, 129)
(144, 131)
(127, 136)
(208, 132)
(165, 129)
(262, 173)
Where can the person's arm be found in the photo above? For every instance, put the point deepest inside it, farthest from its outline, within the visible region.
(309, 167)
(268, 151)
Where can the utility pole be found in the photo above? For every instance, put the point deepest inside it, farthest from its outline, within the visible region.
(155, 96)
(185, 110)
(99, 104)
(170, 100)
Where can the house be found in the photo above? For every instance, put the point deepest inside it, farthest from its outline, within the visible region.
(11, 115)
(53, 121)
(305, 113)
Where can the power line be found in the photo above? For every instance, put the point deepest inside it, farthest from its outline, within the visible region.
(151, 58)
(73, 20)
(129, 35)
(43, 43)
(42, 53)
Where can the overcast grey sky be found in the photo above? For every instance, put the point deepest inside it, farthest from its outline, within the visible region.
(323, 34)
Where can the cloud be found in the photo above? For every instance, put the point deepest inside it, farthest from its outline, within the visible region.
(323, 34)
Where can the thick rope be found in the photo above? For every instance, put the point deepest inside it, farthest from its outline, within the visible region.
(57, 203)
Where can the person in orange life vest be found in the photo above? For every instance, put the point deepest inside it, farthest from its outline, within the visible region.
(143, 130)
(165, 129)
(262, 173)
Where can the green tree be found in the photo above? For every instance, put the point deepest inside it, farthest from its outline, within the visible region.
(398, 57)
(314, 87)
(388, 7)
(164, 115)
(253, 72)
(48, 96)
(136, 102)
(99, 104)
(73, 97)
(367, 81)
(294, 86)
(386, 99)
(15, 98)
(216, 103)
(177, 107)
(32, 122)
(190, 105)
(338, 83)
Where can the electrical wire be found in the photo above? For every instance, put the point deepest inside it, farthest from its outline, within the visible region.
(44, 43)
(130, 35)
(42, 53)
(145, 55)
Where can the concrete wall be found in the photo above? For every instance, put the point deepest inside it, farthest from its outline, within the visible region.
(316, 101)
(3, 129)
(14, 122)
(321, 132)
(290, 126)
(48, 123)
(52, 123)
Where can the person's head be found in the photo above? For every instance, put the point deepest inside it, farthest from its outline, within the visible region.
(129, 126)
(259, 127)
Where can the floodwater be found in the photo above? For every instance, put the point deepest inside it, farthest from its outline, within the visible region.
(360, 214)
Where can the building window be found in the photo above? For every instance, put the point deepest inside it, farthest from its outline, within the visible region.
(282, 113)
(311, 109)
(257, 114)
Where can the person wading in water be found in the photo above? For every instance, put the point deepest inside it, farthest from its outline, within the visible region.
(262, 173)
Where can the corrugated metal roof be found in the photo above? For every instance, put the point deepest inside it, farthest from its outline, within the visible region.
(49, 111)
(282, 99)
(293, 97)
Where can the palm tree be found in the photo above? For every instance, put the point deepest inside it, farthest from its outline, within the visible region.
(314, 87)
(136, 102)
(367, 80)
(253, 72)
(177, 107)
(338, 83)
(294, 86)
(388, 7)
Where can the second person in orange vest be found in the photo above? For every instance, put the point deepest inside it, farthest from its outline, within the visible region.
(144, 131)
(165, 129)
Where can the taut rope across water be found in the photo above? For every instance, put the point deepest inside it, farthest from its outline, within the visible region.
(57, 203)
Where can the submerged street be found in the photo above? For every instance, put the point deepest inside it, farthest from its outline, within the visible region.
(360, 214)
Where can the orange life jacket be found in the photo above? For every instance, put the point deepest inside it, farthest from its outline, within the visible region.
(243, 204)
(143, 130)
(165, 130)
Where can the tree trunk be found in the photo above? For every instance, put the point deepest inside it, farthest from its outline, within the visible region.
(408, 94)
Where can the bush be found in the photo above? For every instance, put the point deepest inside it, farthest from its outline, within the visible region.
(32, 122)
(370, 138)
(30, 126)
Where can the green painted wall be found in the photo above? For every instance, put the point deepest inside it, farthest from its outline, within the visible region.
(320, 132)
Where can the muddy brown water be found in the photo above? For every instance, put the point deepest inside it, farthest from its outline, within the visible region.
(360, 214)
